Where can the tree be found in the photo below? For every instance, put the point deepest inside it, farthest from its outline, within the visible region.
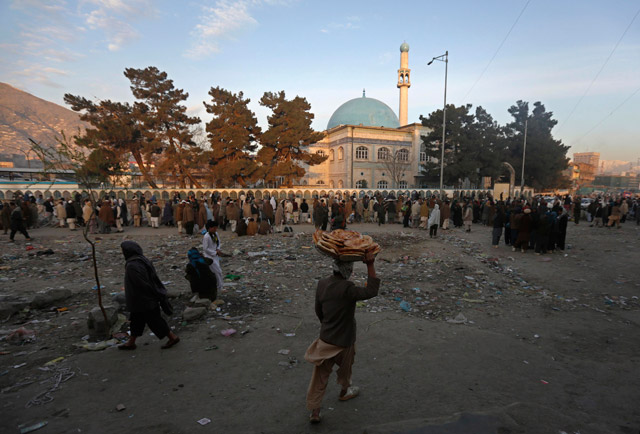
(232, 135)
(473, 145)
(89, 169)
(284, 143)
(545, 157)
(115, 129)
(164, 123)
(397, 164)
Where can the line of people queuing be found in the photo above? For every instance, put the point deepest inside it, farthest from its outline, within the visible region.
(529, 226)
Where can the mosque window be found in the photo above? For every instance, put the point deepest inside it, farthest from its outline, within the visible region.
(321, 153)
(383, 154)
(320, 182)
(361, 184)
(331, 184)
(402, 184)
(340, 153)
(340, 183)
(382, 184)
(362, 153)
(403, 155)
(423, 157)
(332, 155)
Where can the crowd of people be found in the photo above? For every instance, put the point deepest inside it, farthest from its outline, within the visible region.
(250, 216)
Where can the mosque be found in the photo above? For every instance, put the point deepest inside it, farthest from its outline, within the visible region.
(368, 145)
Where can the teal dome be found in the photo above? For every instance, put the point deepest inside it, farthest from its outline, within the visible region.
(404, 47)
(366, 111)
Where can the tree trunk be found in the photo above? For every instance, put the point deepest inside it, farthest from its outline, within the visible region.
(95, 271)
(183, 169)
(143, 169)
(188, 174)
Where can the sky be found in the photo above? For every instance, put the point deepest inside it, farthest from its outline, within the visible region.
(580, 58)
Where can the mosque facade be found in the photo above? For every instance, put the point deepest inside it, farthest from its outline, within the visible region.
(368, 146)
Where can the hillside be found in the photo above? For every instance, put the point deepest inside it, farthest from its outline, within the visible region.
(24, 116)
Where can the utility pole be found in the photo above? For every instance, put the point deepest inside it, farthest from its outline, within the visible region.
(443, 58)
(524, 152)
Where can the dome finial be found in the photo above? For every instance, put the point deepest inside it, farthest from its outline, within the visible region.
(404, 48)
(363, 93)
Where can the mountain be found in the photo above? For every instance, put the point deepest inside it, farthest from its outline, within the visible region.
(614, 167)
(24, 116)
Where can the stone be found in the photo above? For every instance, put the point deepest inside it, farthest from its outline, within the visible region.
(204, 302)
(459, 319)
(49, 297)
(95, 321)
(175, 292)
(192, 313)
(8, 308)
(120, 299)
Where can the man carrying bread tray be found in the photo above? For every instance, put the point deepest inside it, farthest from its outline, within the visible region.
(335, 305)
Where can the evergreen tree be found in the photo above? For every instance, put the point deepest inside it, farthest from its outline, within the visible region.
(232, 135)
(473, 145)
(115, 129)
(165, 124)
(545, 157)
(285, 143)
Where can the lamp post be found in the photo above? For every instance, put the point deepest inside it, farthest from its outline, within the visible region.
(443, 58)
(524, 152)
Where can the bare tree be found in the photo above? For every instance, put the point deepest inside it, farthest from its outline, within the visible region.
(90, 170)
(398, 165)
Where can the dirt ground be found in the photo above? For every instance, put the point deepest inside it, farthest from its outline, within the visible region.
(531, 344)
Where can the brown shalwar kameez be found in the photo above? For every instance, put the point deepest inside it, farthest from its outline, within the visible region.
(324, 356)
(335, 306)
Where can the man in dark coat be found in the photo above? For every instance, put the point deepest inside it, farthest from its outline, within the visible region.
(321, 215)
(144, 291)
(267, 209)
(335, 306)
(5, 214)
(524, 231)
(241, 227)
(17, 223)
(577, 210)
(105, 217)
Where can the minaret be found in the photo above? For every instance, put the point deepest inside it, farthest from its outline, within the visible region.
(404, 83)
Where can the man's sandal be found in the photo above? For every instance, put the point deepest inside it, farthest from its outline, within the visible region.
(171, 343)
(314, 417)
(351, 393)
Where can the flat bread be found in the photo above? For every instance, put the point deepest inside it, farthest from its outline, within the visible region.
(357, 243)
(347, 245)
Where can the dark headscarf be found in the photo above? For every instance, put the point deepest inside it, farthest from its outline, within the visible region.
(143, 287)
(133, 252)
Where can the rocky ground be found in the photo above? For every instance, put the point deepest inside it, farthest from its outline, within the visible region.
(462, 337)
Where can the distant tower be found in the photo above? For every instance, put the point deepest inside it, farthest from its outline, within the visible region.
(404, 83)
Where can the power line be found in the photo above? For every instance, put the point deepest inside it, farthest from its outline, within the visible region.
(496, 53)
(607, 116)
(601, 68)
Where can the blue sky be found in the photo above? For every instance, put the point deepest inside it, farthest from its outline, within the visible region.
(328, 51)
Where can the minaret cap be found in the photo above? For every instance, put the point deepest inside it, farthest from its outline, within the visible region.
(404, 48)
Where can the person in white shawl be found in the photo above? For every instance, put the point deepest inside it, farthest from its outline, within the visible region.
(434, 221)
(211, 249)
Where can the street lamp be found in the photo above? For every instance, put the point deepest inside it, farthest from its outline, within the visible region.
(443, 58)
